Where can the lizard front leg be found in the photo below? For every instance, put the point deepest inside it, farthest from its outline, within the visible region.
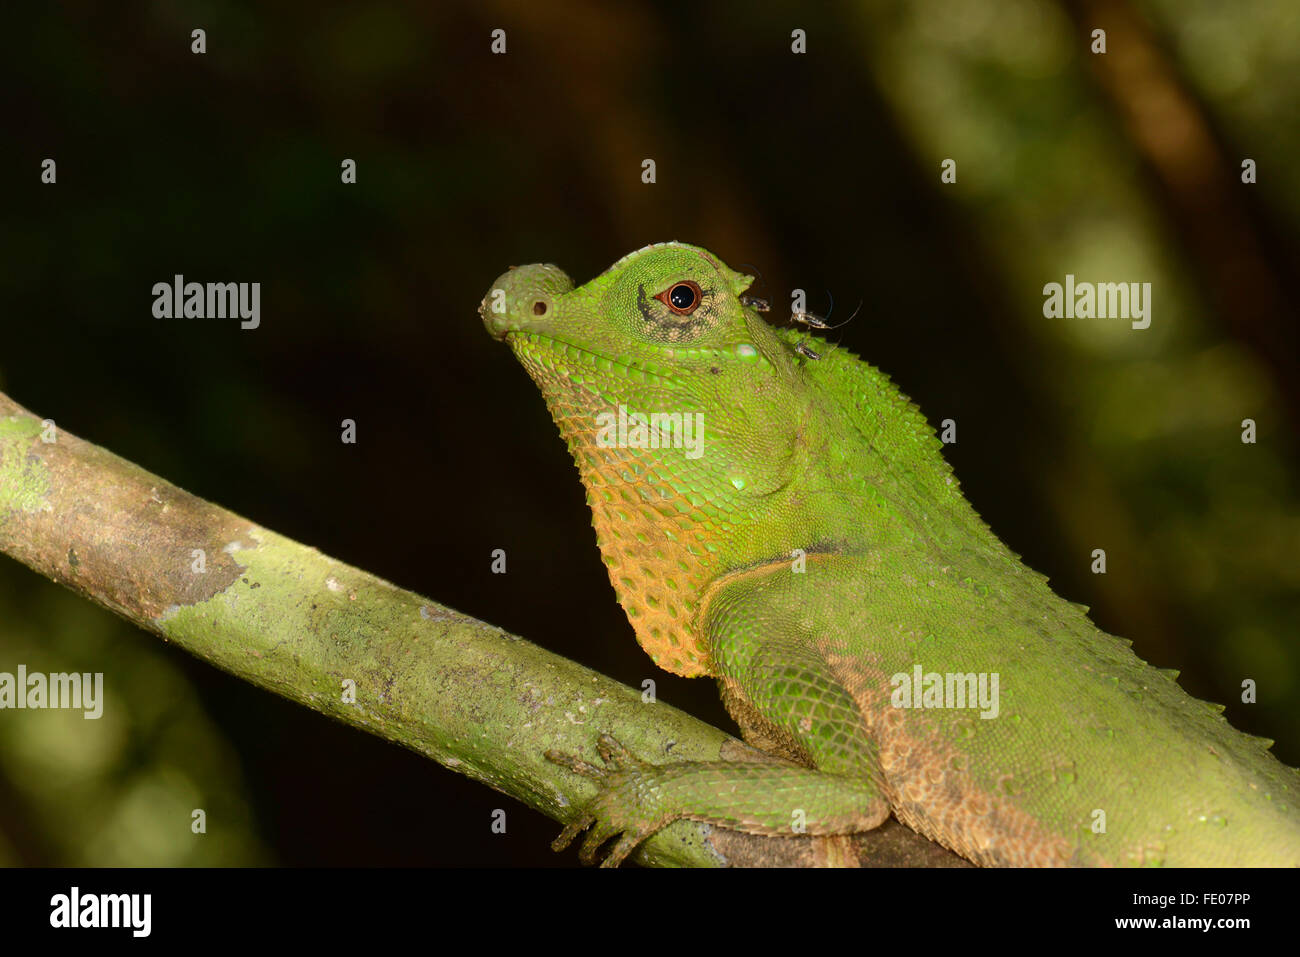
(636, 799)
(779, 675)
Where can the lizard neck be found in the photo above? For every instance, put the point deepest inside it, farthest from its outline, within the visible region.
(659, 559)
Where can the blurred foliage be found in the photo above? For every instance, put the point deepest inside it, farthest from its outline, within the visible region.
(819, 171)
(1150, 419)
(119, 789)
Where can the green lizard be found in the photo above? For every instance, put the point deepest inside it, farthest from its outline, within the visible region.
(786, 524)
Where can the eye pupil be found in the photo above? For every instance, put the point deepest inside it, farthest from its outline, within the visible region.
(681, 296)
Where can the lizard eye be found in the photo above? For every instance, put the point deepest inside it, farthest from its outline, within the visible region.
(681, 297)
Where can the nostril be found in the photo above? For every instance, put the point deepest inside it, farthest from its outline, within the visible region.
(539, 308)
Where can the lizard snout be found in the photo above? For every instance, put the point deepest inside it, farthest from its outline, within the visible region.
(523, 299)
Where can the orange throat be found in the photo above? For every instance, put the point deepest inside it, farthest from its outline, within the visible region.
(655, 547)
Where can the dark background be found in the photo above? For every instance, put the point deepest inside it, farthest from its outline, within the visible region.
(820, 170)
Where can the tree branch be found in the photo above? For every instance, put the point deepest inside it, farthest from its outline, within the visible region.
(283, 616)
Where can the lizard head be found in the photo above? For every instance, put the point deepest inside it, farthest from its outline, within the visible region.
(681, 407)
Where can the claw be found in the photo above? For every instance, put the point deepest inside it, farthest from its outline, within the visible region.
(595, 837)
(612, 751)
(572, 830)
(625, 846)
(574, 764)
(595, 821)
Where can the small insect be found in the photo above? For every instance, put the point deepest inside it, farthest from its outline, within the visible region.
(757, 303)
(810, 320)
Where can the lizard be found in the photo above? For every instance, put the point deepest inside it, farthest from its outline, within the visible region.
(809, 547)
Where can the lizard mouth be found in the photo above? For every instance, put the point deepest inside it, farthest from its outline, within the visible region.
(551, 351)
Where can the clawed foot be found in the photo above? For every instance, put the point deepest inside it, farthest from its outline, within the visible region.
(624, 804)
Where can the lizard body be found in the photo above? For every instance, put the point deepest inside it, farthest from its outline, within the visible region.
(810, 548)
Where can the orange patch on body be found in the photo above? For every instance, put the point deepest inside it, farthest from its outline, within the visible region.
(941, 801)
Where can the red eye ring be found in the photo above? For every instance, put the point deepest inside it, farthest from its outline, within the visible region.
(675, 297)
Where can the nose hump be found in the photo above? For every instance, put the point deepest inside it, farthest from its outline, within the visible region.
(523, 297)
